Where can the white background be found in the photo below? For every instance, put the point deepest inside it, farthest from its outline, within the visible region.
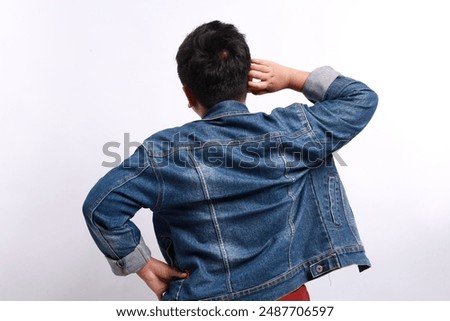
(75, 75)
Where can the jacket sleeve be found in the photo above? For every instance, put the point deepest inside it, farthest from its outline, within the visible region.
(110, 206)
(342, 107)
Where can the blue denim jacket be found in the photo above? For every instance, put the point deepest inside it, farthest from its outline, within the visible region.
(250, 204)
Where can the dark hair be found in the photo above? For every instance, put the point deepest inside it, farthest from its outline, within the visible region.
(213, 62)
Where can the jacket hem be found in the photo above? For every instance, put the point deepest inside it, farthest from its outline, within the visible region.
(312, 269)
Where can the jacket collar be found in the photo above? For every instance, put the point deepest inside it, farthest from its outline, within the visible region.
(226, 108)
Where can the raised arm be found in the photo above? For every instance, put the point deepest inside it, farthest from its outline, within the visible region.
(342, 106)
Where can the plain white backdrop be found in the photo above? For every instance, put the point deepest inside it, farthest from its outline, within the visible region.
(75, 75)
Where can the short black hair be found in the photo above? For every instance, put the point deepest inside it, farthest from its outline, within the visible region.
(213, 62)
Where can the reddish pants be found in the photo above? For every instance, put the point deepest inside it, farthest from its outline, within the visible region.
(301, 294)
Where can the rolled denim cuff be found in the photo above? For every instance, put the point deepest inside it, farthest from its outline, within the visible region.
(133, 262)
(317, 83)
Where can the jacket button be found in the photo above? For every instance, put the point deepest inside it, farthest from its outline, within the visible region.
(319, 268)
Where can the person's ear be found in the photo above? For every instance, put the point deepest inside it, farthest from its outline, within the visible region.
(192, 101)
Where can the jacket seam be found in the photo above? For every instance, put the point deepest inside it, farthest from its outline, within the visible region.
(292, 197)
(214, 221)
(311, 132)
(160, 180)
(319, 209)
(236, 113)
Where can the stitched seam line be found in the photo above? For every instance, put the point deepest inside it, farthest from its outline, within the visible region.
(215, 222)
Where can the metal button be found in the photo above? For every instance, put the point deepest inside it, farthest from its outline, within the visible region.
(319, 268)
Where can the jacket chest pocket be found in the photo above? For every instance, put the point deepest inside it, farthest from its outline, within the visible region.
(335, 199)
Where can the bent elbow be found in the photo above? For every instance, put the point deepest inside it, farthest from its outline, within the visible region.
(368, 104)
(88, 209)
(85, 209)
(373, 100)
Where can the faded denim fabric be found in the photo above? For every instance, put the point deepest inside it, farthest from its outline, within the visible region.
(251, 204)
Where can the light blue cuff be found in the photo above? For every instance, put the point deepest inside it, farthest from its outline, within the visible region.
(133, 262)
(317, 83)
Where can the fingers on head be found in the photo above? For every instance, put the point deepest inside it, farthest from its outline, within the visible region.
(258, 75)
(260, 68)
(256, 85)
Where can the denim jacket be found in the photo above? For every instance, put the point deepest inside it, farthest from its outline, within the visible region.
(251, 204)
